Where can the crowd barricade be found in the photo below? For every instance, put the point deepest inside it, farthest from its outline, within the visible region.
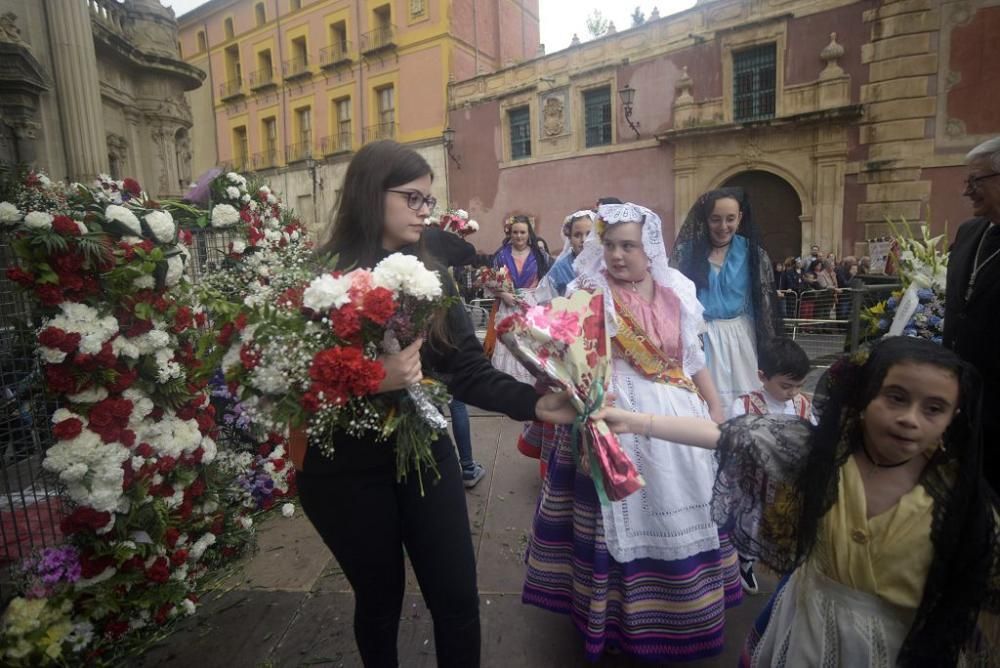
(820, 322)
(480, 318)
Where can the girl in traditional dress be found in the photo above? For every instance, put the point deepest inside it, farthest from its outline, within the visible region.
(526, 264)
(878, 518)
(650, 575)
(717, 248)
(539, 439)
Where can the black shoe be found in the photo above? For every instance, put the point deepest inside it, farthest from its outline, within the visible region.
(747, 577)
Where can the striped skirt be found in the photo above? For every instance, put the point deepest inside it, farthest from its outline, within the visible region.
(539, 439)
(654, 610)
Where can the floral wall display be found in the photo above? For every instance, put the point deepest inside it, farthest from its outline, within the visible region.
(160, 468)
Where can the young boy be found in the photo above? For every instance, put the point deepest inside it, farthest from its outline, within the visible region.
(783, 367)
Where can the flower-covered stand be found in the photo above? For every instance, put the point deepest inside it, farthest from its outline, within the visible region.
(140, 473)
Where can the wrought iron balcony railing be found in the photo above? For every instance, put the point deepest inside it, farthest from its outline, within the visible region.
(338, 143)
(295, 68)
(379, 39)
(380, 131)
(297, 152)
(336, 54)
(230, 89)
(262, 79)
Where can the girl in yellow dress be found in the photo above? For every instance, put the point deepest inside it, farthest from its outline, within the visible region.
(878, 518)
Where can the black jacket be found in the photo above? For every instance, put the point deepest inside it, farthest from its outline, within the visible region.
(470, 378)
(970, 329)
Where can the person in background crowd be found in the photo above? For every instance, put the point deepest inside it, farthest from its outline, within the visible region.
(972, 299)
(606, 200)
(783, 370)
(814, 254)
(538, 439)
(543, 246)
(719, 250)
(526, 264)
(455, 253)
(864, 266)
(791, 285)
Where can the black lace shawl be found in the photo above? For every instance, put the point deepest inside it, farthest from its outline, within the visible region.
(778, 476)
(690, 256)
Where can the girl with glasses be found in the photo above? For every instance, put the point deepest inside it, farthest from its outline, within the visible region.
(367, 518)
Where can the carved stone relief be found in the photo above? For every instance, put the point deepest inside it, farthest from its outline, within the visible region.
(554, 117)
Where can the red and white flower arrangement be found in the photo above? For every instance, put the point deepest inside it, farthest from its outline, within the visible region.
(312, 362)
(457, 221)
(126, 348)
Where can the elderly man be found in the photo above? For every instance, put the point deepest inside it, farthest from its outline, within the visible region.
(973, 292)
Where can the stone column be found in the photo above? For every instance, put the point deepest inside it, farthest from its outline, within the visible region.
(79, 88)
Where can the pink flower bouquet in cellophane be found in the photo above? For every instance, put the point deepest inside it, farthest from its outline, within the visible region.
(565, 344)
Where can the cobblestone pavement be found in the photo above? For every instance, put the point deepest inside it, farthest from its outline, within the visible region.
(291, 605)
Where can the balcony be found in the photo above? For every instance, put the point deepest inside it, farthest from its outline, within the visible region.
(265, 159)
(380, 131)
(239, 163)
(335, 55)
(231, 89)
(262, 79)
(298, 152)
(338, 143)
(297, 68)
(380, 39)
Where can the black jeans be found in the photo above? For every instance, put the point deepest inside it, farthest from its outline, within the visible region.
(366, 518)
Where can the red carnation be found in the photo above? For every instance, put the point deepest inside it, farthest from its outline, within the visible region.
(178, 557)
(49, 295)
(144, 450)
(67, 429)
(20, 276)
(197, 488)
(67, 262)
(159, 572)
(84, 518)
(124, 379)
(166, 464)
(132, 186)
(92, 566)
(116, 629)
(345, 322)
(60, 378)
(249, 356)
(53, 337)
(171, 536)
(379, 305)
(182, 319)
(65, 226)
(343, 373)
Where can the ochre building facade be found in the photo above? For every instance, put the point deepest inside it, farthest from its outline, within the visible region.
(295, 87)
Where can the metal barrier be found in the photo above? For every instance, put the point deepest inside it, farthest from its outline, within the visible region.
(30, 509)
(828, 323)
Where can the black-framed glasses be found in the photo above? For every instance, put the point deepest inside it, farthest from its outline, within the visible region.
(972, 182)
(415, 199)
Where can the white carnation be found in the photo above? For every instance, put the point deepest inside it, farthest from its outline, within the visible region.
(166, 368)
(146, 282)
(473, 225)
(90, 469)
(52, 355)
(233, 192)
(245, 522)
(188, 606)
(406, 274)
(175, 270)
(161, 226)
(287, 509)
(245, 198)
(125, 217)
(38, 220)
(224, 215)
(89, 396)
(326, 292)
(200, 545)
(239, 246)
(9, 213)
(81, 226)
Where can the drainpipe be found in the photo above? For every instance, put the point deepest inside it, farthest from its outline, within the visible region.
(284, 101)
(361, 71)
(475, 34)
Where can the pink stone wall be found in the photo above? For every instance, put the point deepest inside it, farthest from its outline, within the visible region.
(975, 56)
(421, 84)
(807, 36)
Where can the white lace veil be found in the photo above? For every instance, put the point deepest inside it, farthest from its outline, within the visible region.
(567, 230)
(591, 274)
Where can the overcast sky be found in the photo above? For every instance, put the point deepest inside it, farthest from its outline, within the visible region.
(559, 18)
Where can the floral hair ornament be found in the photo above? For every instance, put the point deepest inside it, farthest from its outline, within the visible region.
(519, 218)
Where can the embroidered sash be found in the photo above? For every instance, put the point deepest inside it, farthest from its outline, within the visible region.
(755, 404)
(649, 360)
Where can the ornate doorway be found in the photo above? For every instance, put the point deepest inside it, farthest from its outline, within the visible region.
(776, 209)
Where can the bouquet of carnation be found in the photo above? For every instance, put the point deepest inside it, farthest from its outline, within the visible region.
(457, 221)
(497, 280)
(311, 361)
(565, 344)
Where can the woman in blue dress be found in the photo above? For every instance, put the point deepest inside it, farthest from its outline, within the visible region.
(718, 249)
